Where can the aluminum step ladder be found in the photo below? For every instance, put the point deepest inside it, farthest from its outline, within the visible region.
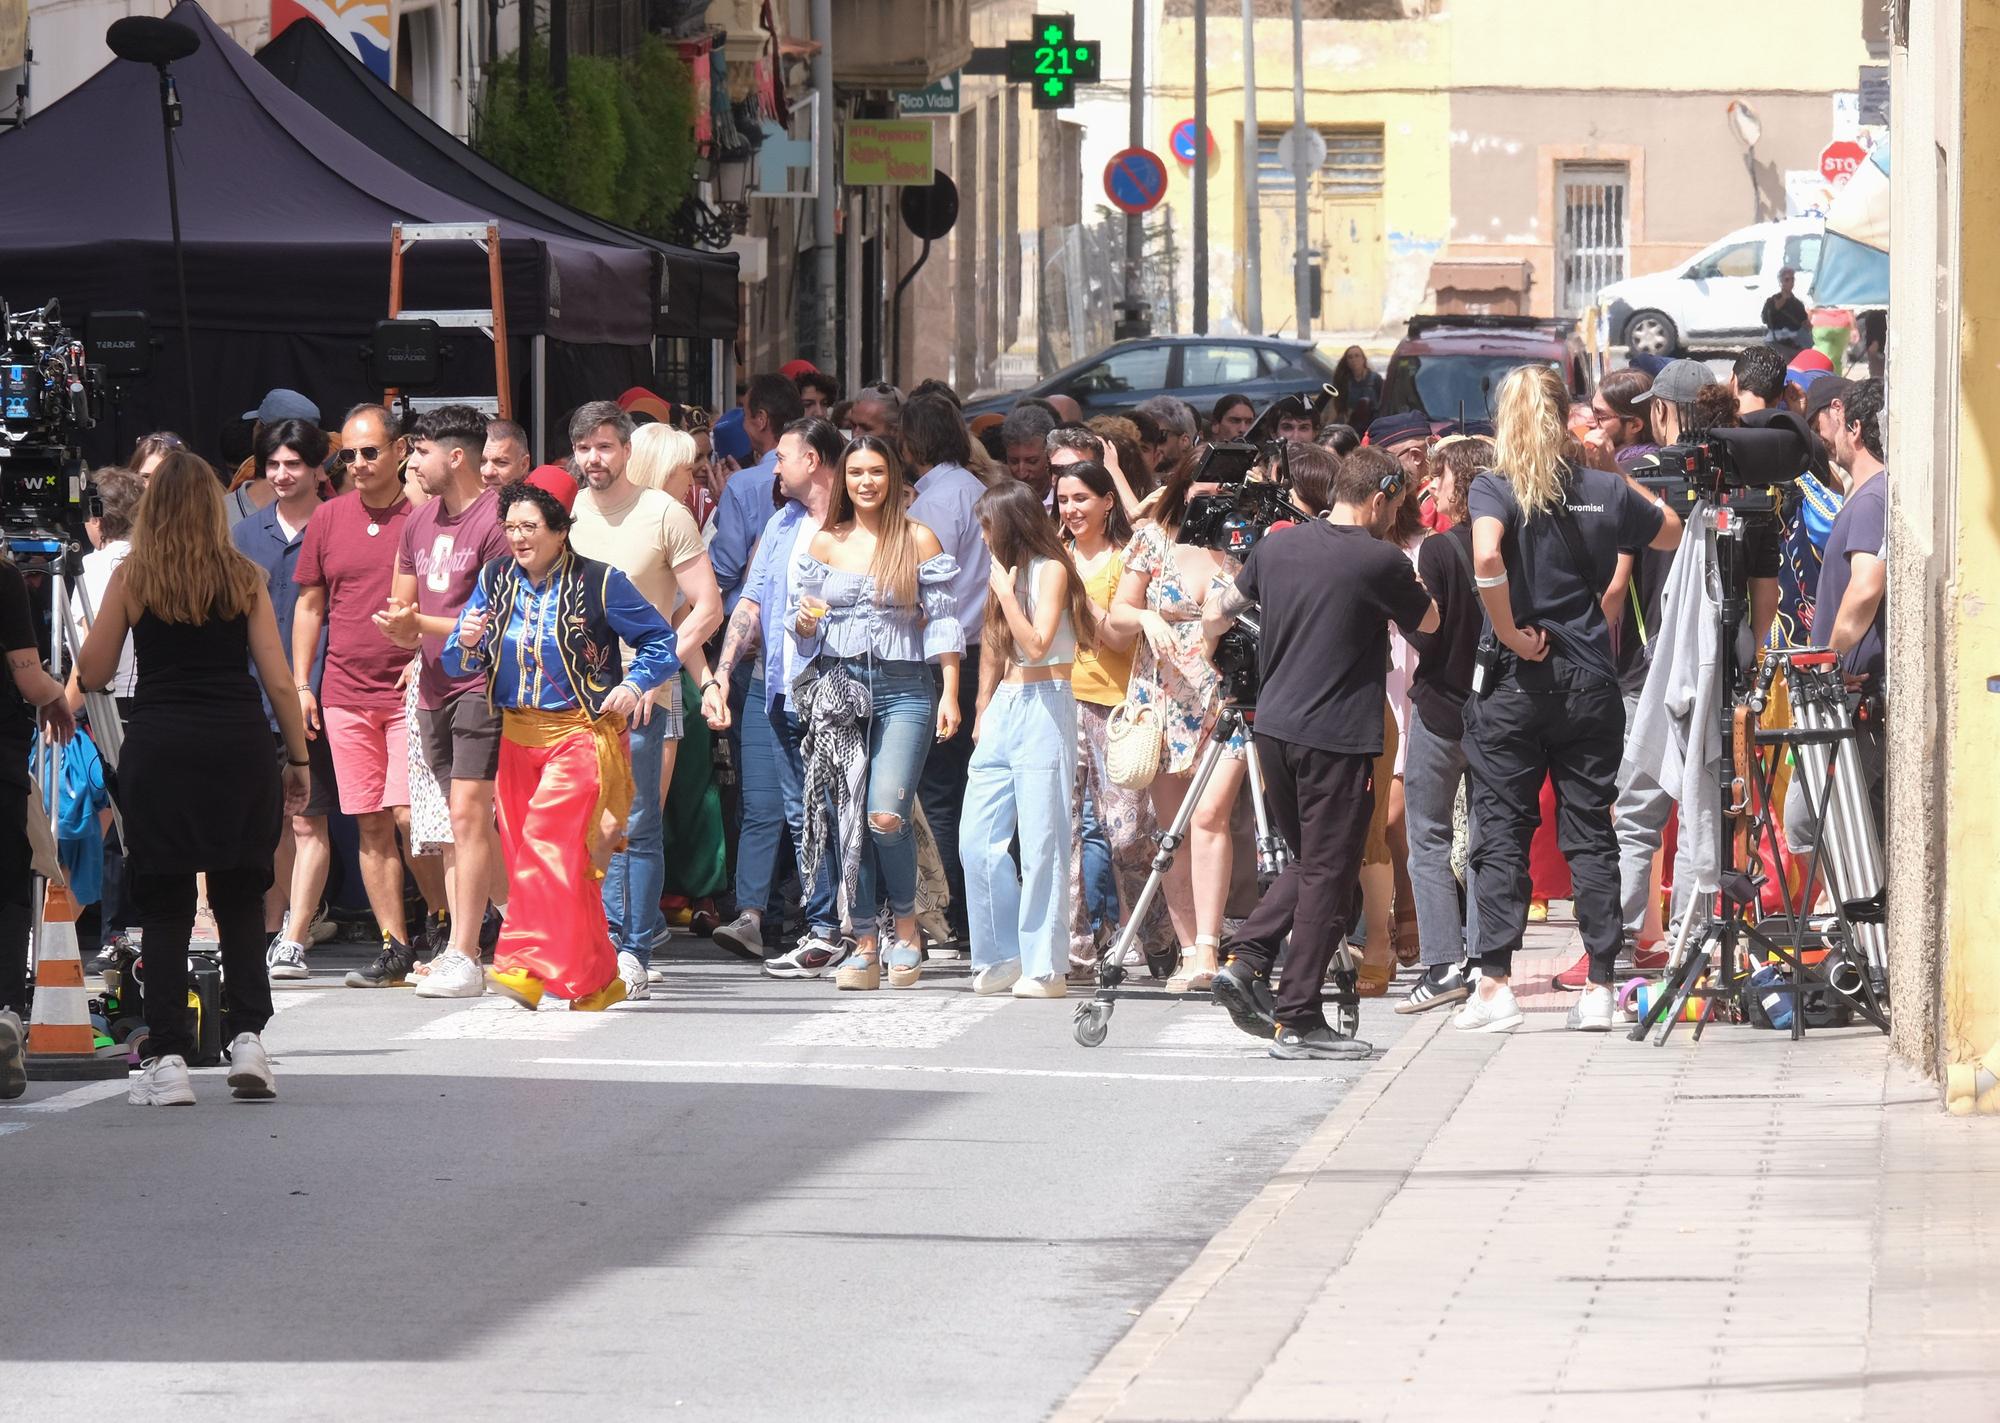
(490, 322)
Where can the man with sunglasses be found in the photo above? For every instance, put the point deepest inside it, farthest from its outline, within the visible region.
(347, 564)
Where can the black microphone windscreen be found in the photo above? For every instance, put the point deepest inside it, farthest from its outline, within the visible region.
(146, 40)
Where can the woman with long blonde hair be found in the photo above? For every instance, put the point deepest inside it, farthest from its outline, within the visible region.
(1546, 532)
(198, 787)
(872, 604)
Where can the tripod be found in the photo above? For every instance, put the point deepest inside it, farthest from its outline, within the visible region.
(1709, 961)
(1093, 1018)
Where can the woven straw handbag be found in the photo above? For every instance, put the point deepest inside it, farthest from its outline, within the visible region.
(1132, 744)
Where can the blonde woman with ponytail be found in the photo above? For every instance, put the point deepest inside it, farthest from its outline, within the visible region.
(1546, 532)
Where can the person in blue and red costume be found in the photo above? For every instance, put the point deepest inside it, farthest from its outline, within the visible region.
(544, 627)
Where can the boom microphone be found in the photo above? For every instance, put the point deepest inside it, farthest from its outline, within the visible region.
(146, 40)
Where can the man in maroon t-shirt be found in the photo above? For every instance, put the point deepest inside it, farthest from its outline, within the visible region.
(443, 547)
(346, 563)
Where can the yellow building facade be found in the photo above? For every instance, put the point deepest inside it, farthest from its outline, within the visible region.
(1579, 146)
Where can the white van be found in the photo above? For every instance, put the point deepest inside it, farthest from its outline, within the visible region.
(1719, 295)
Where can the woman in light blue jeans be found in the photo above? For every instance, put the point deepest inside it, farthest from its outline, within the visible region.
(1024, 759)
(872, 596)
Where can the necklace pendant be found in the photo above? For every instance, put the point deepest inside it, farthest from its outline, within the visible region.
(374, 529)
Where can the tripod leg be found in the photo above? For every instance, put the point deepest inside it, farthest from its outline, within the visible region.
(1677, 971)
(1110, 969)
(1271, 851)
(1696, 966)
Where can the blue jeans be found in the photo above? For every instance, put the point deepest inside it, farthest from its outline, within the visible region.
(637, 874)
(1100, 886)
(1021, 776)
(760, 791)
(901, 727)
(787, 736)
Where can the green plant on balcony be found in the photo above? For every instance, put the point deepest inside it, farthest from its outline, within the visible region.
(618, 143)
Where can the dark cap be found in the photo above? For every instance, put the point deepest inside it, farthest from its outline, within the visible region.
(1824, 391)
(1394, 429)
(1680, 382)
(283, 404)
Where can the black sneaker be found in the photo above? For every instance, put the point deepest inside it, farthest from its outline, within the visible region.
(489, 930)
(391, 968)
(1246, 996)
(1320, 1043)
(434, 938)
(1440, 984)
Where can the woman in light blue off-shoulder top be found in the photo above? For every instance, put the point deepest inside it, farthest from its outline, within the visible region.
(872, 597)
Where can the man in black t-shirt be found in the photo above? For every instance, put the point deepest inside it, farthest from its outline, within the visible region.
(1328, 590)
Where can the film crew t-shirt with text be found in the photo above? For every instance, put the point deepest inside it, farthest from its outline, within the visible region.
(1544, 585)
(1328, 593)
(445, 553)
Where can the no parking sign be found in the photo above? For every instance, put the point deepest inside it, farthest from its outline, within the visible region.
(1135, 180)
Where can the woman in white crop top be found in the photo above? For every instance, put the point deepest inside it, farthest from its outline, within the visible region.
(1024, 756)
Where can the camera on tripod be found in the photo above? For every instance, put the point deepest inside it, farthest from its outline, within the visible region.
(49, 395)
(1244, 509)
(1738, 467)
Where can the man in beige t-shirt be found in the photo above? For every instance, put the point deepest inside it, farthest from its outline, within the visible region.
(650, 536)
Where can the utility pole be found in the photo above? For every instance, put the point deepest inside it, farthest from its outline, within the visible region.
(1301, 173)
(1253, 224)
(1201, 167)
(1133, 319)
(824, 253)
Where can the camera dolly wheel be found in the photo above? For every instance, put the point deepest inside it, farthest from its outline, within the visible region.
(1093, 1022)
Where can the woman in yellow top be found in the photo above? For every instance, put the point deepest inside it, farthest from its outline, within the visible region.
(1097, 530)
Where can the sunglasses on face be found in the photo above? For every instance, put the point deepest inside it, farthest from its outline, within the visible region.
(367, 452)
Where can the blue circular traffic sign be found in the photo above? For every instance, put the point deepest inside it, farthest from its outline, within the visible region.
(1135, 180)
(1185, 143)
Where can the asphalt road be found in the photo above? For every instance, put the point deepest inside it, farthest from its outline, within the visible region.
(745, 1199)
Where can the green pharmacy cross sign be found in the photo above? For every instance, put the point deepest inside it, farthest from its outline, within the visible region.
(1055, 61)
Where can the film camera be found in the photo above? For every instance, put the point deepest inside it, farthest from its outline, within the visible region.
(1232, 520)
(1241, 510)
(49, 395)
(1738, 468)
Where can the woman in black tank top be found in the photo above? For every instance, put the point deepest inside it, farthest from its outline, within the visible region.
(196, 787)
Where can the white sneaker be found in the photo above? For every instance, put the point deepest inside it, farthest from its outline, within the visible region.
(813, 958)
(249, 1070)
(1498, 1013)
(161, 1082)
(287, 960)
(1593, 1011)
(996, 978)
(638, 984)
(1055, 986)
(452, 975)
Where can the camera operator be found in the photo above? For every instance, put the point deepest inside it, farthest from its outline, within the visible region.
(1546, 534)
(1328, 588)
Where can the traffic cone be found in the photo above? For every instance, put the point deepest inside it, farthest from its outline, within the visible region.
(62, 1045)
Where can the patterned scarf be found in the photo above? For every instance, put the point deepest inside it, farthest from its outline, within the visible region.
(835, 708)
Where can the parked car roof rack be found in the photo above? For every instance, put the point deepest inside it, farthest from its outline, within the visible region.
(1419, 325)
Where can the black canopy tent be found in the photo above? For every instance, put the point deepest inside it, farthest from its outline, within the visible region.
(287, 220)
(700, 287)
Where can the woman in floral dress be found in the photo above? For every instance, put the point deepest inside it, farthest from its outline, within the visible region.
(1161, 596)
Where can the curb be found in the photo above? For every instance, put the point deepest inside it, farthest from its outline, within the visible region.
(1093, 1399)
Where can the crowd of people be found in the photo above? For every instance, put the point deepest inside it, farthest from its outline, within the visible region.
(851, 684)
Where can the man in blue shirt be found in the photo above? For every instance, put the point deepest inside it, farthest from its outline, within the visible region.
(808, 458)
(293, 455)
(770, 406)
(939, 447)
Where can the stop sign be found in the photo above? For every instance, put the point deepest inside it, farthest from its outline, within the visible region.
(1839, 159)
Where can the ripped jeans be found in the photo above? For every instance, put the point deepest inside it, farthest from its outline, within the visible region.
(901, 729)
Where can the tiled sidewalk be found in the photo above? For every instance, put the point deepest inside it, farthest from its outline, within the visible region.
(1558, 1226)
